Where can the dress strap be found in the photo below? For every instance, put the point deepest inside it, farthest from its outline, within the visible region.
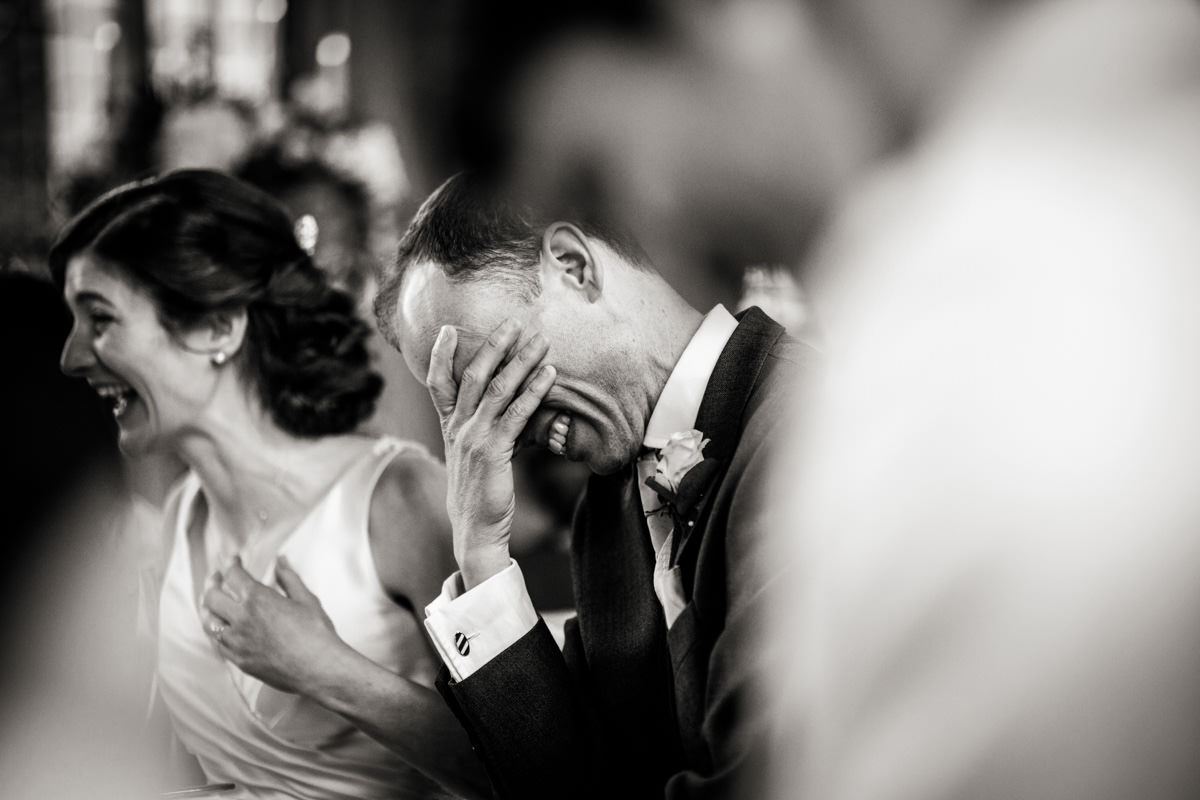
(386, 450)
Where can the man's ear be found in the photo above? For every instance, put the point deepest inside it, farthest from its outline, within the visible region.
(568, 256)
(219, 332)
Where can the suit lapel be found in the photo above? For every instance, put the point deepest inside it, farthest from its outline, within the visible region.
(720, 416)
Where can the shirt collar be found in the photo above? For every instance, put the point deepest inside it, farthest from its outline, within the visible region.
(679, 402)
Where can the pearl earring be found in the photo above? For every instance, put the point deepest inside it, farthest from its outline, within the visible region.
(219, 358)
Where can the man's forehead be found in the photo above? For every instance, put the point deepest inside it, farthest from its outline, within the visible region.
(429, 300)
(420, 295)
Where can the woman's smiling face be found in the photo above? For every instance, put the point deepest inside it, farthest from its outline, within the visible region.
(157, 387)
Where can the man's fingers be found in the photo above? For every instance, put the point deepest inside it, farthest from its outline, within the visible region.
(517, 373)
(440, 378)
(483, 366)
(516, 417)
(292, 585)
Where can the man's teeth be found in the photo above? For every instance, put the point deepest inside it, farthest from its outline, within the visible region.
(558, 434)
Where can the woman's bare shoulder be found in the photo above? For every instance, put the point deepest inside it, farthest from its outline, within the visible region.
(409, 529)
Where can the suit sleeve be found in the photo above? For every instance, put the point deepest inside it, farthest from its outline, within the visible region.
(525, 720)
(529, 716)
(470, 628)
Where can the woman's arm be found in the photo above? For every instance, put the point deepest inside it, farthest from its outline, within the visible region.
(411, 541)
(412, 546)
(409, 719)
(289, 642)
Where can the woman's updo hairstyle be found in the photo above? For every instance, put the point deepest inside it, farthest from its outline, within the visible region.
(200, 242)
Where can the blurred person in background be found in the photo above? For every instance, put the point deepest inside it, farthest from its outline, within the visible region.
(718, 135)
(340, 207)
(204, 322)
(323, 173)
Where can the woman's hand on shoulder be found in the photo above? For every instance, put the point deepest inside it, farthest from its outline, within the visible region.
(410, 534)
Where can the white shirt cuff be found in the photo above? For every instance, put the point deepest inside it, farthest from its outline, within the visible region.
(471, 628)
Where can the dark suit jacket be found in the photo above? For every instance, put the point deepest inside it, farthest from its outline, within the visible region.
(628, 709)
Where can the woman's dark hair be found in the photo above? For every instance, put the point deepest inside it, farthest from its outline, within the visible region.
(201, 242)
(312, 187)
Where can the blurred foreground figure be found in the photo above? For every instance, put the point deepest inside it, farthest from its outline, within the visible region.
(995, 511)
(719, 138)
(73, 685)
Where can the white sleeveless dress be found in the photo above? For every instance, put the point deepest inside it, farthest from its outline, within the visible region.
(273, 744)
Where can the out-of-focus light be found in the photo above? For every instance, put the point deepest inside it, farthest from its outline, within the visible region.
(106, 36)
(170, 61)
(333, 50)
(270, 11)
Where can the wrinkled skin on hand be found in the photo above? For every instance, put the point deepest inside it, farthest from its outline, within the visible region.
(482, 415)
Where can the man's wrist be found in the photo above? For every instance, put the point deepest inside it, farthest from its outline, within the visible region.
(480, 563)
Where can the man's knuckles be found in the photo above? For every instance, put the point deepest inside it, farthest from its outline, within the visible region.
(469, 377)
(498, 388)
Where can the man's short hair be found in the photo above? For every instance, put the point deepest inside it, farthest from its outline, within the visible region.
(472, 232)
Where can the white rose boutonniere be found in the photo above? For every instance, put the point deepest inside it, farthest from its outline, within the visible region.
(681, 479)
(682, 451)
